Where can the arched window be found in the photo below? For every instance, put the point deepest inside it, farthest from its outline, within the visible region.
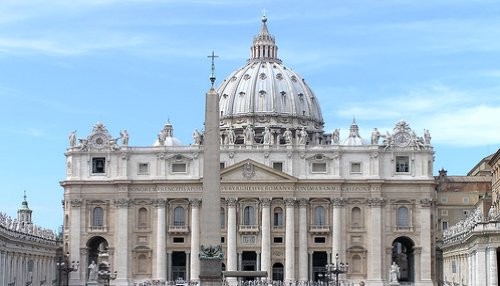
(356, 217)
(97, 217)
(179, 216)
(249, 216)
(143, 218)
(278, 217)
(222, 218)
(402, 217)
(319, 215)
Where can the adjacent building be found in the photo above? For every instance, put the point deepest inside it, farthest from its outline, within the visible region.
(293, 195)
(470, 245)
(27, 251)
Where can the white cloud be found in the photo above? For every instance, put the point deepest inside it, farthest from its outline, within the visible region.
(454, 117)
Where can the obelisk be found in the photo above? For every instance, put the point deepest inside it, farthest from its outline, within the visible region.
(210, 230)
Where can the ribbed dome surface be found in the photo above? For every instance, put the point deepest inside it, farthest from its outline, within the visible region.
(264, 92)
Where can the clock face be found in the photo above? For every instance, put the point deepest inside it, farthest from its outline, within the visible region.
(402, 139)
(98, 141)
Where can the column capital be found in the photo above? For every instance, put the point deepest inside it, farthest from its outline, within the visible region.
(265, 202)
(231, 202)
(76, 203)
(160, 203)
(338, 202)
(303, 202)
(195, 203)
(122, 203)
(426, 203)
(375, 202)
(289, 202)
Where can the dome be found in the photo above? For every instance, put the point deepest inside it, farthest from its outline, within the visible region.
(266, 93)
(354, 139)
(166, 137)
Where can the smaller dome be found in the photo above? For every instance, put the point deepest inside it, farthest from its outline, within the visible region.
(354, 139)
(166, 137)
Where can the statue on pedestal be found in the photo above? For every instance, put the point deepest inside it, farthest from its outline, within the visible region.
(72, 139)
(394, 274)
(93, 271)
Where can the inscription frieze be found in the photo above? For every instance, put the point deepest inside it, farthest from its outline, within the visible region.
(166, 188)
(256, 188)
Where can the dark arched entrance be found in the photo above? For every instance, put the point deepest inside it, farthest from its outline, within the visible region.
(403, 255)
(95, 246)
(277, 272)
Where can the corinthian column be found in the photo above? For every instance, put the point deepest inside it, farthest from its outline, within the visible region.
(492, 267)
(303, 259)
(375, 254)
(290, 241)
(232, 256)
(266, 237)
(425, 238)
(121, 241)
(161, 251)
(195, 240)
(337, 221)
(75, 234)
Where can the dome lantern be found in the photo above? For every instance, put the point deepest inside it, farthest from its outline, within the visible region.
(264, 46)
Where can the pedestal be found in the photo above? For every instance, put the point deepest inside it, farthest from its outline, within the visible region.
(210, 272)
(92, 283)
(394, 283)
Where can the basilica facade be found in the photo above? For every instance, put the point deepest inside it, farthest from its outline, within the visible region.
(293, 195)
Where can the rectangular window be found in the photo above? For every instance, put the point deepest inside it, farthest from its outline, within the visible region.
(178, 239)
(466, 200)
(143, 169)
(444, 212)
(445, 225)
(319, 167)
(402, 164)
(356, 168)
(179, 168)
(98, 165)
(222, 165)
(222, 239)
(278, 239)
(444, 200)
(319, 239)
(278, 166)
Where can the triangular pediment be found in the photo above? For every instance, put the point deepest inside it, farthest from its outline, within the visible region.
(251, 171)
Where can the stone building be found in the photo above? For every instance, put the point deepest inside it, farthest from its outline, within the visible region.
(27, 251)
(292, 194)
(470, 245)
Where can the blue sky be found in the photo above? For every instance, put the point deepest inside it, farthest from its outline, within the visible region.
(65, 65)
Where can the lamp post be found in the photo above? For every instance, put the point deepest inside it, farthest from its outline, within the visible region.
(336, 269)
(63, 266)
(106, 274)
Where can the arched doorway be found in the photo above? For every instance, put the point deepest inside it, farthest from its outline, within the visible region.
(278, 272)
(97, 248)
(403, 255)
